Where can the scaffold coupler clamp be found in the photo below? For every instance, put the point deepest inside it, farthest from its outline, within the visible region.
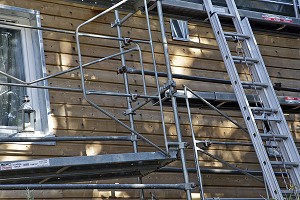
(190, 186)
(122, 70)
(168, 85)
(134, 138)
(134, 97)
(126, 41)
(116, 23)
(206, 144)
(129, 112)
(178, 145)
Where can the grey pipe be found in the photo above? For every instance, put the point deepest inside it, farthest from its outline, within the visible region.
(63, 138)
(83, 81)
(156, 80)
(217, 110)
(127, 90)
(229, 165)
(173, 98)
(70, 32)
(85, 65)
(195, 148)
(71, 69)
(296, 8)
(277, 87)
(91, 186)
(104, 93)
(142, 69)
(214, 171)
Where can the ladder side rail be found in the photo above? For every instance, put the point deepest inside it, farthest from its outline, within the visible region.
(127, 91)
(248, 47)
(288, 147)
(260, 74)
(243, 103)
(268, 95)
(245, 28)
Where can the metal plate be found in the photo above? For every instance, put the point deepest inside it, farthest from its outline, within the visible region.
(225, 100)
(83, 168)
(193, 11)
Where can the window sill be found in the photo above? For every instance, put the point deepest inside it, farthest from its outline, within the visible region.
(12, 133)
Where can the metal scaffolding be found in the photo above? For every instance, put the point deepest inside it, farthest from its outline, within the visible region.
(136, 164)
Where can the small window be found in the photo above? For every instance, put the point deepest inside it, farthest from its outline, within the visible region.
(21, 56)
(180, 30)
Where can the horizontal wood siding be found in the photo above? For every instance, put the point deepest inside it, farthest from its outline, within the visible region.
(73, 116)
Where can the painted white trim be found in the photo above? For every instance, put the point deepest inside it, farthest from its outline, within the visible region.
(32, 49)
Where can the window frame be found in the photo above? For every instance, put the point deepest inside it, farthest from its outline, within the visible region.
(34, 67)
(186, 31)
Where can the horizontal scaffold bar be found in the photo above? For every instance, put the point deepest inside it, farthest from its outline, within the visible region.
(56, 139)
(203, 79)
(94, 186)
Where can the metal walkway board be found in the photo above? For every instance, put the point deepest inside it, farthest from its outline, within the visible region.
(83, 168)
(226, 100)
(195, 11)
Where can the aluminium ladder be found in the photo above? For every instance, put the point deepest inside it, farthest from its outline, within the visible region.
(266, 115)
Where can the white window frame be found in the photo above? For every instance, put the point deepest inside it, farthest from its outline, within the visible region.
(183, 29)
(34, 68)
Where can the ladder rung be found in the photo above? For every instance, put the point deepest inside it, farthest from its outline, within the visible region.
(255, 84)
(260, 109)
(270, 136)
(291, 192)
(236, 35)
(267, 118)
(223, 14)
(244, 59)
(284, 164)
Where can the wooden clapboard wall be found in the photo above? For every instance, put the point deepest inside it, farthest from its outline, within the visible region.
(72, 116)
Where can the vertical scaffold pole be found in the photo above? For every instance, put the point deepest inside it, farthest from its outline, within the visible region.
(173, 98)
(127, 91)
(296, 4)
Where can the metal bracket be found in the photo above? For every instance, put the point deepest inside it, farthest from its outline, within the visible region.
(134, 97)
(180, 95)
(134, 138)
(190, 186)
(205, 144)
(116, 23)
(168, 85)
(120, 22)
(168, 94)
(126, 41)
(179, 145)
(129, 112)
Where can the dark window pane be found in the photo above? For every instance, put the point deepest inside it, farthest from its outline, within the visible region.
(11, 62)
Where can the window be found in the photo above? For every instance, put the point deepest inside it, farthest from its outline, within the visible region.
(21, 56)
(179, 30)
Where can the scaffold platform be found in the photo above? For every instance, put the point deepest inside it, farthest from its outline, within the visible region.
(81, 168)
(226, 100)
